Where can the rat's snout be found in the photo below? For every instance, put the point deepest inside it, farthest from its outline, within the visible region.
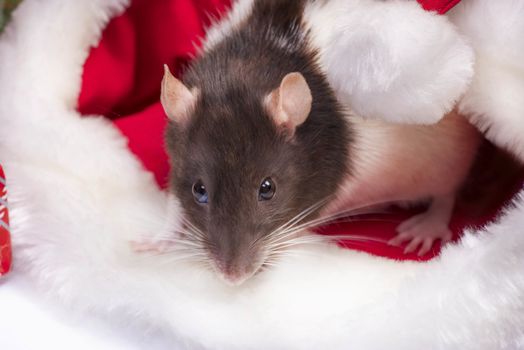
(235, 265)
(236, 271)
(235, 277)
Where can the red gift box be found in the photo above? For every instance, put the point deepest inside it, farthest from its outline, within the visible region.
(5, 240)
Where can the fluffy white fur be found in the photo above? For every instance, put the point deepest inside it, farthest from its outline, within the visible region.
(28, 323)
(78, 197)
(495, 99)
(391, 59)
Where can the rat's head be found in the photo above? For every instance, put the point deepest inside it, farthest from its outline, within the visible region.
(245, 164)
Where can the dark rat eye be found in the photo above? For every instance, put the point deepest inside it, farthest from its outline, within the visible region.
(200, 192)
(267, 189)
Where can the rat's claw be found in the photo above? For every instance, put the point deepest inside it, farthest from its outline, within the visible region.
(420, 233)
(413, 245)
(424, 229)
(399, 239)
(426, 246)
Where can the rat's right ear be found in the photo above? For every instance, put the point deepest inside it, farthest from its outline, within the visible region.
(176, 98)
(289, 104)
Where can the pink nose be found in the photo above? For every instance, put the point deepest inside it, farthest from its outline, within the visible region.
(235, 275)
(234, 279)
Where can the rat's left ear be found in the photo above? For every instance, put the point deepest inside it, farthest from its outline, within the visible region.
(289, 104)
(177, 100)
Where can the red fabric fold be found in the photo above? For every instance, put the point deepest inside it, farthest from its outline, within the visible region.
(440, 6)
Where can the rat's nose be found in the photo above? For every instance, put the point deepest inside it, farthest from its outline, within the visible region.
(234, 275)
(234, 260)
(234, 279)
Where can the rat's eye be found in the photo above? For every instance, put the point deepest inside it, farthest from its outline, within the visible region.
(200, 192)
(267, 189)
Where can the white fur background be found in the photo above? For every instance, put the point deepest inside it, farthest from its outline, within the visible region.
(78, 197)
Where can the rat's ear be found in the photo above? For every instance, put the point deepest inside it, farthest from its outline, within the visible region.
(176, 98)
(289, 104)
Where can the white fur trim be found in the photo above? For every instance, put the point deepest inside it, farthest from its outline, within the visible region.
(495, 100)
(240, 10)
(29, 323)
(78, 197)
(57, 74)
(385, 66)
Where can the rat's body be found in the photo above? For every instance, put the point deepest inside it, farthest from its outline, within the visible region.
(403, 163)
(257, 138)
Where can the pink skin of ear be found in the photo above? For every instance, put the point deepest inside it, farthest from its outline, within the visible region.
(176, 98)
(289, 104)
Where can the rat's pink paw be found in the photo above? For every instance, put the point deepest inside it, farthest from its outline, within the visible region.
(421, 231)
(147, 246)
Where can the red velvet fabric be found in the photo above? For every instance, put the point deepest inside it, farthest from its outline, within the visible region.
(440, 6)
(122, 77)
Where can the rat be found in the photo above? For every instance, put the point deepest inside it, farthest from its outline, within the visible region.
(260, 146)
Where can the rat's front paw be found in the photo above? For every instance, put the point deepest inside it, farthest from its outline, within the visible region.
(421, 231)
(144, 246)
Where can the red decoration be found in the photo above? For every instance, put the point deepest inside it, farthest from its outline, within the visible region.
(440, 6)
(5, 242)
(122, 81)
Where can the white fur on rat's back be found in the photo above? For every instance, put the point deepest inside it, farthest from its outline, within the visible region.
(393, 162)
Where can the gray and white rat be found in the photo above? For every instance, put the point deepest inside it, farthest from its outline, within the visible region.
(260, 146)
